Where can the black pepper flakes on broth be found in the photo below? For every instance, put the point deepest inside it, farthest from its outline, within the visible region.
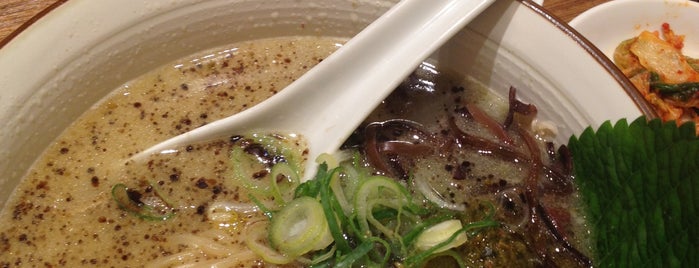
(39, 227)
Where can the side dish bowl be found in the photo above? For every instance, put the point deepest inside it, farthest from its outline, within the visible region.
(608, 24)
(76, 54)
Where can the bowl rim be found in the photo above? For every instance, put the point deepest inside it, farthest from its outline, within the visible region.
(639, 15)
(594, 11)
(640, 102)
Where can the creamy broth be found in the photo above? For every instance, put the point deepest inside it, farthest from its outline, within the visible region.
(63, 214)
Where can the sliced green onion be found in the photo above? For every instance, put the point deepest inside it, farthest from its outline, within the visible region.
(352, 175)
(337, 189)
(420, 258)
(149, 207)
(386, 203)
(328, 159)
(371, 219)
(300, 227)
(321, 258)
(243, 168)
(376, 187)
(282, 192)
(433, 196)
(266, 211)
(359, 252)
(310, 188)
(439, 233)
(331, 208)
(249, 172)
(409, 238)
(256, 233)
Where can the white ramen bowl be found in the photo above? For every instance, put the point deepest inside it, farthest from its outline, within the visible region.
(608, 24)
(71, 58)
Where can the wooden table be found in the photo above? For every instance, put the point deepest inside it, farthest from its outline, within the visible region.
(14, 13)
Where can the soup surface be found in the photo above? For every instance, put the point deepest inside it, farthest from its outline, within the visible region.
(64, 213)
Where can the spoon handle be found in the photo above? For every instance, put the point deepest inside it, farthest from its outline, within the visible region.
(328, 102)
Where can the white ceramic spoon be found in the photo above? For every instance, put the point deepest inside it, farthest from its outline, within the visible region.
(328, 102)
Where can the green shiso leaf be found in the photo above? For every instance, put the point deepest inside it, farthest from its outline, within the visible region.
(640, 185)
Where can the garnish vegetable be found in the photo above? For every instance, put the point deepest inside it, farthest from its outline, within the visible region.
(347, 217)
(640, 184)
(667, 79)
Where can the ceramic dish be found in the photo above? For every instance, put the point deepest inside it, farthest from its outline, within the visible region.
(610, 23)
(76, 54)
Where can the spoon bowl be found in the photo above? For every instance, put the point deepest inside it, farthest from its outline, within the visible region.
(328, 102)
